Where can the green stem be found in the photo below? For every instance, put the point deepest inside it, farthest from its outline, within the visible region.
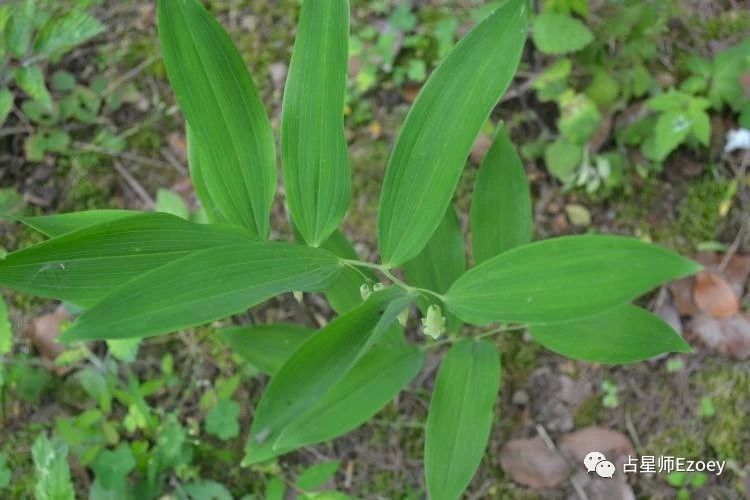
(385, 271)
(451, 340)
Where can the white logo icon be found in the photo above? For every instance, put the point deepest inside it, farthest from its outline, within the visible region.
(597, 462)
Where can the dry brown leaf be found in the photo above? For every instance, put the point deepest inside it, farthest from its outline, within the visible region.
(44, 330)
(410, 92)
(682, 295)
(601, 135)
(730, 337)
(531, 463)
(613, 444)
(714, 296)
(177, 145)
(668, 312)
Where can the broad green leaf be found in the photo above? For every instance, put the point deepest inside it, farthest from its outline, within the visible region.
(124, 350)
(671, 130)
(625, 334)
(36, 146)
(553, 81)
(314, 153)
(563, 159)
(431, 149)
(204, 286)
(5, 473)
(112, 468)
(367, 387)
(20, 27)
(221, 420)
(321, 362)
(31, 80)
(207, 490)
(275, 489)
(579, 117)
(6, 329)
(61, 34)
(559, 34)
(52, 472)
(6, 104)
(226, 117)
(344, 293)
(603, 89)
(701, 126)
(460, 417)
(59, 224)
(317, 475)
(565, 278)
(201, 190)
(501, 216)
(728, 67)
(440, 262)
(84, 265)
(171, 203)
(267, 347)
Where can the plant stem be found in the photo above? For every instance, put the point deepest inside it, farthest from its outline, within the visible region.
(385, 271)
(451, 340)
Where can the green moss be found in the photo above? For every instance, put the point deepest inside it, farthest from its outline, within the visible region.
(16, 448)
(519, 358)
(589, 412)
(729, 23)
(86, 191)
(684, 439)
(728, 431)
(699, 217)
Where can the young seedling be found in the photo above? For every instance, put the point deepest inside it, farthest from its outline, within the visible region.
(144, 274)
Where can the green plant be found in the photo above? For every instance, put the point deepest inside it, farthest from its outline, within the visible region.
(143, 274)
(609, 398)
(57, 109)
(608, 125)
(684, 482)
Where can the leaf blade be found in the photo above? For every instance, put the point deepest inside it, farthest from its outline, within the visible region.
(563, 278)
(501, 216)
(314, 153)
(59, 224)
(460, 416)
(84, 265)
(440, 262)
(219, 100)
(559, 34)
(222, 281)
(626, 334)
(267, 347)
(316, 367)
(440, 129)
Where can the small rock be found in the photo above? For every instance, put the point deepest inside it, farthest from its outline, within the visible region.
(578, 215)
(278, 74)
(520, 398)
(572, 392)
(531, 463)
